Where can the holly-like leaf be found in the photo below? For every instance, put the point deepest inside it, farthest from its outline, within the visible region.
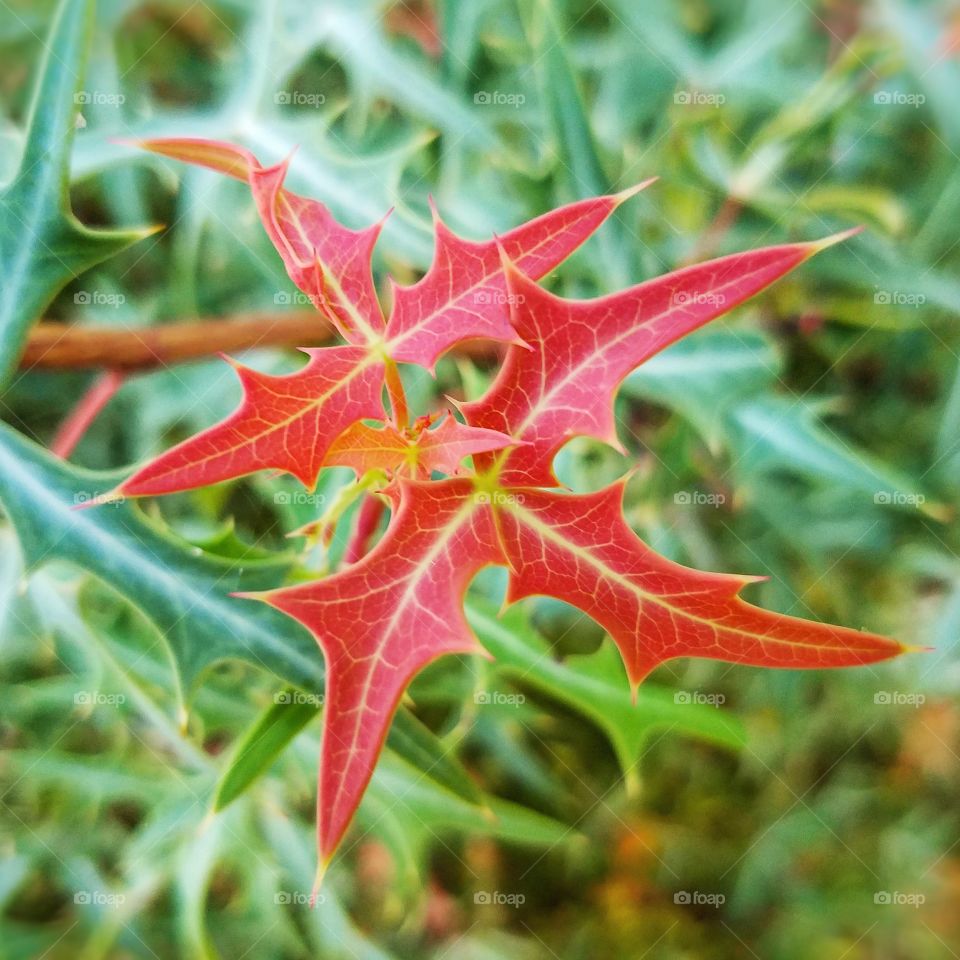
(390, 613)
(464, 294)
(582, 350)
(416, 452)
(327, 261)
(381, 621)
(579, 549)
(287, 423)
(394, 611)
(387, 616)
(42, 244)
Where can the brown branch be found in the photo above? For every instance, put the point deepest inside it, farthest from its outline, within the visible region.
(63, 346)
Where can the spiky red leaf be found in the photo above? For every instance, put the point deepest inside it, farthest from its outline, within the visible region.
(382, 620)
(330, 263)
(416, 452)
(582, 349)
(287, 423)
(464, 294)
(579, 549)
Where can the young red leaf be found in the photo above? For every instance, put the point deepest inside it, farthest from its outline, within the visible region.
(578, 548)
(417, 452)
(397, 609)
(464, 294)
(330, 263)
(582, 349)
(287, 423)
(382, 620)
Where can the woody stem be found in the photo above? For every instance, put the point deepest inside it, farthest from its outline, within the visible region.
(398, 398)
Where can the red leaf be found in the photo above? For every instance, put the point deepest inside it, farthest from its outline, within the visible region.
(417, 452)
(327, 261)
(382, 620)
(286, 423)
(464, 294)
(399, 607)
(582, 349)
(579, 549)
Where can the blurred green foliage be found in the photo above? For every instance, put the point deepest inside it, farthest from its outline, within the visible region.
(525, 808)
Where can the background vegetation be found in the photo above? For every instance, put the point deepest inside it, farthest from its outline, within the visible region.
(813, 436)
